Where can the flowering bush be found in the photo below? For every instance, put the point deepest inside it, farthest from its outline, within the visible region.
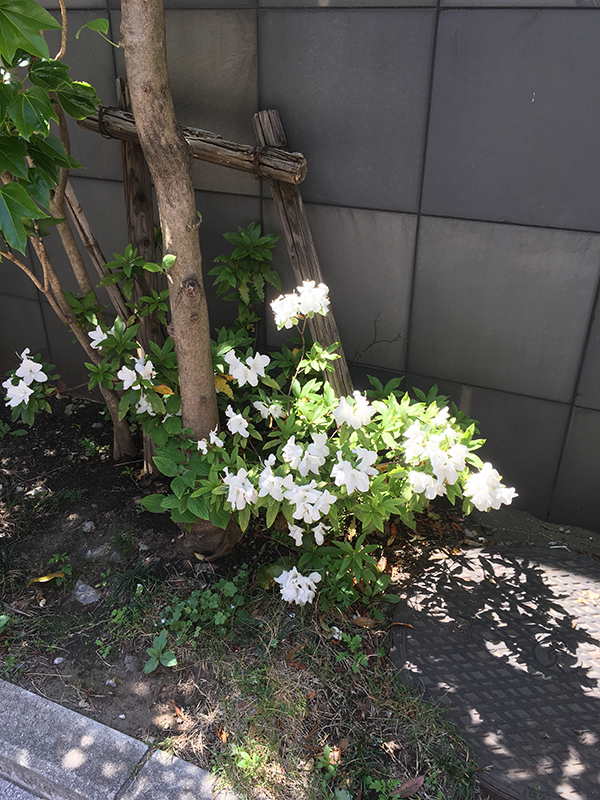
(288, 446)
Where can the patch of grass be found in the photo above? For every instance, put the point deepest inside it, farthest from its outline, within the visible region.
(123, 542)
(10, 574)
(130, 583)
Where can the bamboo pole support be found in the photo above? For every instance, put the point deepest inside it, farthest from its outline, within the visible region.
(303, 255)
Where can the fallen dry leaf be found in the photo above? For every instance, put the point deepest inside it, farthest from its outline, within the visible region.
(365, 622)
(409, 787)
(44, 578)
(178, 711)
(221, 734)
(310, 695)
(162, 389)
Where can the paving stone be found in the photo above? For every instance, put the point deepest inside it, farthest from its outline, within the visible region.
(166, 776)
(509, 641)
(8, 791)
(60, 754)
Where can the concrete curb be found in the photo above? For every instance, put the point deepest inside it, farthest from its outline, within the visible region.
(60, 755)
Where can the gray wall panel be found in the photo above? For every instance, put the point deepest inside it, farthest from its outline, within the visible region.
(360, 252)
(351, 87)
(515, 118)
(213, 73)
(577, 499)
(91, 60)
(21, 326)
(588, 390)
(502, 307)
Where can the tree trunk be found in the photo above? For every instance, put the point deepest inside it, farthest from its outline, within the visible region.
(170, 162)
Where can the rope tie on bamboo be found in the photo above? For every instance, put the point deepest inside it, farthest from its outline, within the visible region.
(101, 126)
(256, 153)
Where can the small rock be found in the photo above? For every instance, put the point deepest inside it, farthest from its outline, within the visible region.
(88, 527)
(97, 425)
(19, 488)
(98, 553)
(562, 530)
(151, 740)
(132, 663)
(58, 660)
(144, 547)
(84, 593)
(112, 682)
(69, 409)
(35, 491)
(469, 534)
(551, 543)
(121, 716)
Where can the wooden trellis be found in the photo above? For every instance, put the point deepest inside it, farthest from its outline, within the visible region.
(270, 161)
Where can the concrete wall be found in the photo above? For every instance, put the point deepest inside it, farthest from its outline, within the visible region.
(453, 192)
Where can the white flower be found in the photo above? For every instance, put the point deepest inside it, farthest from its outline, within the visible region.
(98, 336)
(344, 474)
(202, 446)
(320, 532)
(241, 491)
(366, 460)
(17, 394)
(297, 588)
(145, 368)
(310, 502)
(249, 372)
(286, 311)
(144, 406)
(292, 453)
(486, 490)
(296, 533)
(128, 376)
(415, 442)
(315, 455)
(236, 423)
(312, 298)
(274, 410)
(30, 370)
(272, 485)
(214, 438)
(257, 365)
(423, 482)
(355, 416)
(441, 417)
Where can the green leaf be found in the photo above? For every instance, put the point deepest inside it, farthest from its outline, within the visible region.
(168, 659)
(48, 153)
(21, 23)
(49, 74)
(13, 152)
(78, 99)
(198, 507)
(178, 486)
(100, 25)
(166, 466)
(152, 502)
(31, 111)
(15, 204)
(272, 512)
(6, 95)
(150, 665)
(43, 226)
(244, 517)
(38, 185)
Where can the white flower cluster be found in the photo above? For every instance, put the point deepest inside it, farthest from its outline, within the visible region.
(142, 370)
(250, 372)
(213, 439)
(344, 474)
(319, 531)
(486, 490)
(447, 460)
(274, 410)
(98, 336)
(28, 372)
(241, 491)
(355, 415)
(311, 299)
(298, 588)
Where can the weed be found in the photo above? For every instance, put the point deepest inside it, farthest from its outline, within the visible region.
(355, 643)
(217, 606)
(124, 543)
(159, 654)
(9, 572)
(63, 562)
(130, 583)
(91, 448)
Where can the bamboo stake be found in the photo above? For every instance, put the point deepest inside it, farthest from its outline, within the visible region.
(303, 255)
(269, 162)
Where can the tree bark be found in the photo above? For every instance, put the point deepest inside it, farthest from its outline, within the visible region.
(170, 162)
